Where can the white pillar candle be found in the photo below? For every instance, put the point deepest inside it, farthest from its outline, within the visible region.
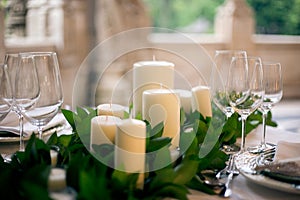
(162, 105)
(53, 155)
(57, 179)
(185, 99)
(111, 109)
(201, 100)
(130, 147)
(150, 75)
(103, 129)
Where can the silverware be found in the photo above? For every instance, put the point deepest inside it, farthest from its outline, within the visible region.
(211, 180)
(226, 191)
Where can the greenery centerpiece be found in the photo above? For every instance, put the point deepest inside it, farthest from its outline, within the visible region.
(26, 176)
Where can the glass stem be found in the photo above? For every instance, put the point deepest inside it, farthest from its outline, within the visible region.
(22, 146)
(40, 130)
(243, 141)
(263, 139)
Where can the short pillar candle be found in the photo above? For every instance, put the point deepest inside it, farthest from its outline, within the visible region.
(130, 146)
(111, 109)
(103, 129)
(201, 100)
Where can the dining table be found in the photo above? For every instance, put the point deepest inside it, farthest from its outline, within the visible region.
(242, 187)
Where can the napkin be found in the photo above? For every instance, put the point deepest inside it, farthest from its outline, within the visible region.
(287, 151)
(56, 121)
(286, 167)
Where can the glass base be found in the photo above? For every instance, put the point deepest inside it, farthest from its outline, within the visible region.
(262, 148)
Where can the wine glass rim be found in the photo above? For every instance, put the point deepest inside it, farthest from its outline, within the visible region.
(271, 63)
(37, 53)
(230, 50)
(247, 58)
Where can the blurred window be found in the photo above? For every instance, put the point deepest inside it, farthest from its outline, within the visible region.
(272, 16)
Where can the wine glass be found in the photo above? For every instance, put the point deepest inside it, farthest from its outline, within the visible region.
(245, 88)
(51, 94)
(219, 76)
(12, 62)
(26, 89)
(5, 92)
(273, 94)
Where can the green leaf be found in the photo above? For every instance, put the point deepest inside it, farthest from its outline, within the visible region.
(158, 143)
(188, 144)
(157, 130)
(186, 170)
(69, 116)
(183, 117)
(81, 112)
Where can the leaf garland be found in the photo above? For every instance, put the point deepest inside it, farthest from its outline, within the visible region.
(26, 176)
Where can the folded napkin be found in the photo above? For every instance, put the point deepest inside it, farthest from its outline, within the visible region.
(286, 167)
(287, 151)
(56, 121)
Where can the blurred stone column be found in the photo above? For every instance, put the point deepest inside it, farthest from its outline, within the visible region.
(36, 19)
(76, 42)
(112, 17)
(235, 25)
(55, 22)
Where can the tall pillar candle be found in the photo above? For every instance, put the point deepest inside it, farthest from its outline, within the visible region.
(103, 129)
(201, 100)
(130, 147)
(150, 75)
(111, 109)
(162, 105)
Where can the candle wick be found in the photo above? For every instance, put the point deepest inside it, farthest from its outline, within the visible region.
(154, 59)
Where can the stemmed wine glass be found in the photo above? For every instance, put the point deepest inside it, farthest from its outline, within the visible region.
(51, 94)
(245, 89)
(12, 60)
(219, 76)
(26, 87)
(273, 94)
(5, 92)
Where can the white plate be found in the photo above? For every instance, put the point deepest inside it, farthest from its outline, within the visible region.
(47, 133)
(246, 165)
(57, 124)
(12, 139)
